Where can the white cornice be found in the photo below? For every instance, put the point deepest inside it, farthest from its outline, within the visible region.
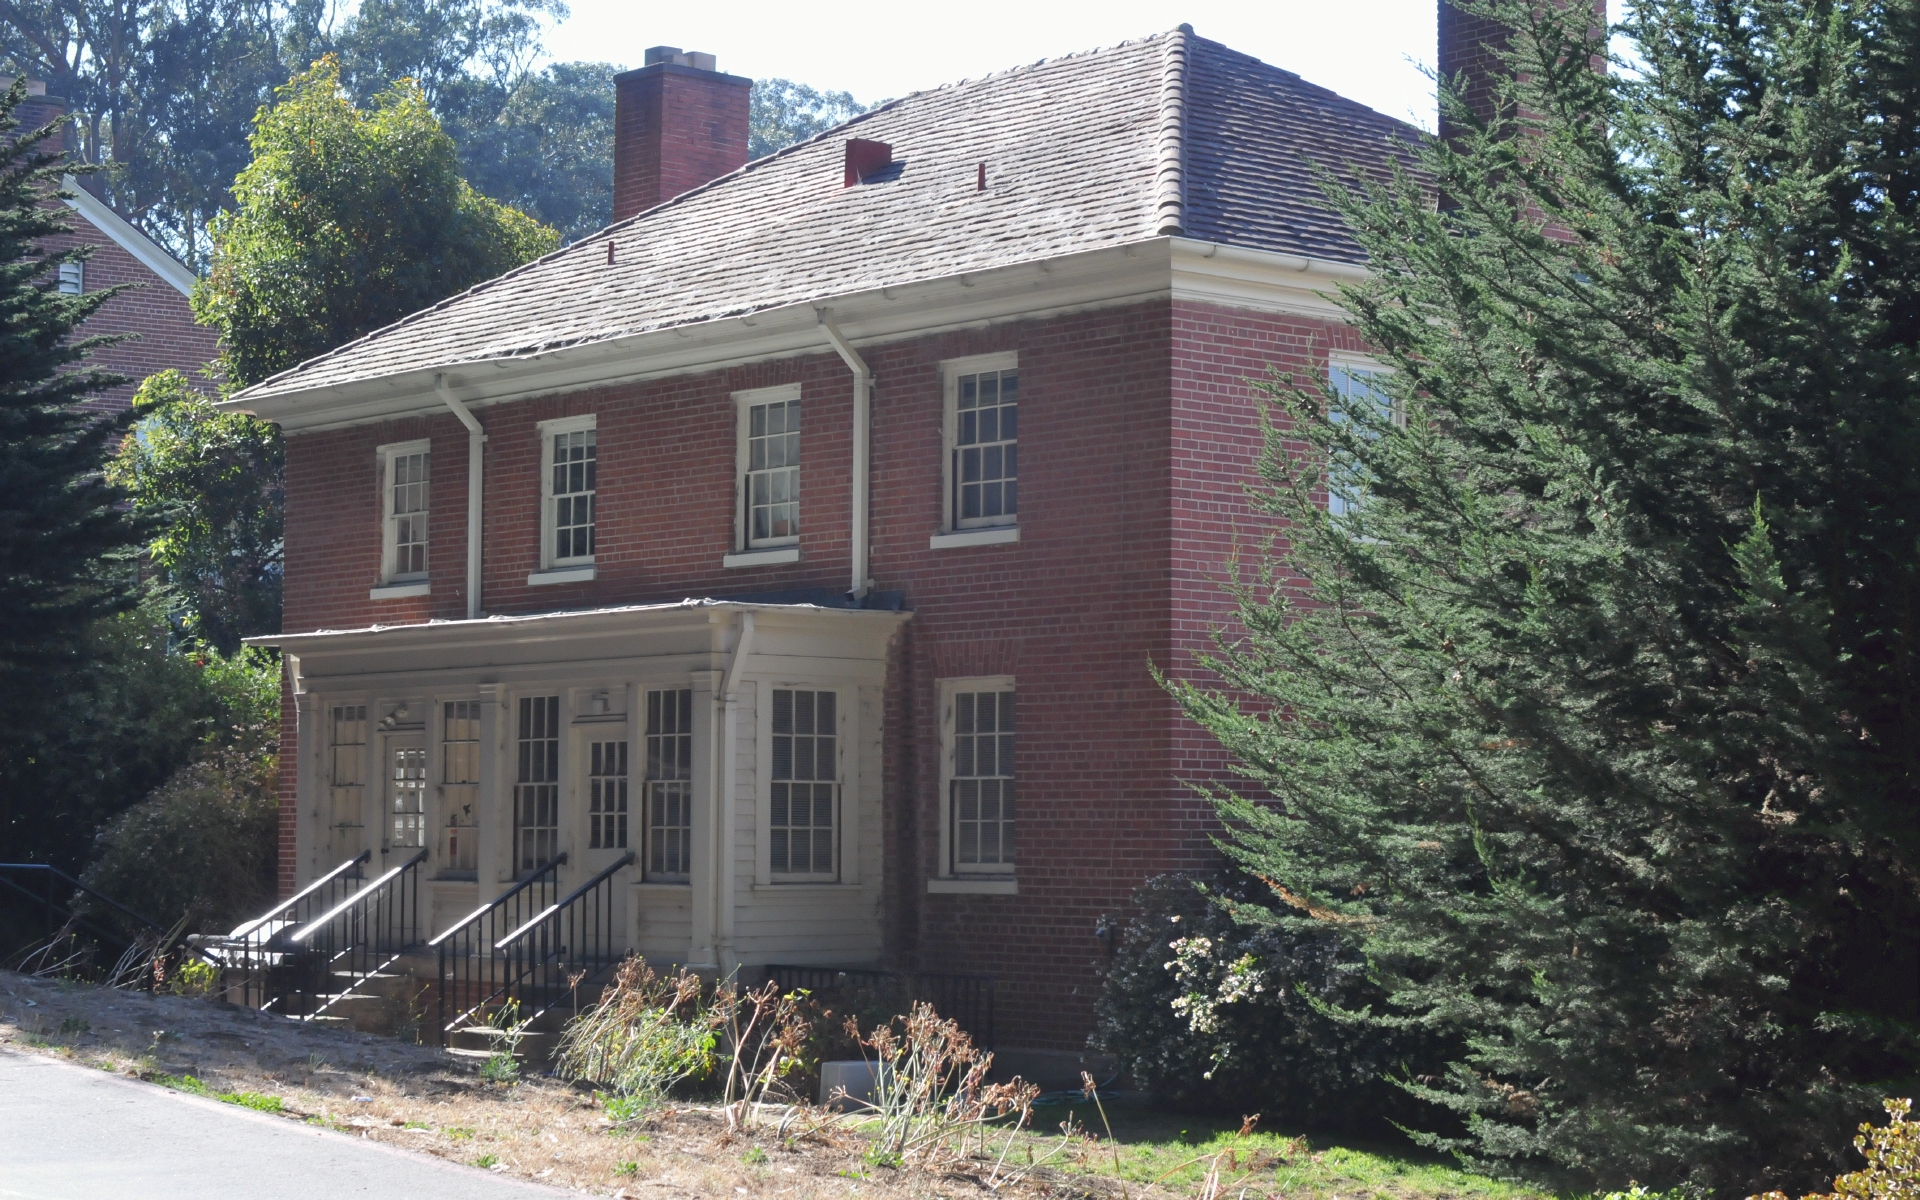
(128, 238)
(1156, 268)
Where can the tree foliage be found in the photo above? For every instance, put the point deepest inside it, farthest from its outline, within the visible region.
(784, 112)
(1594, 720)
(91, 738)
(165, 92)
(347, 220)
(64, 537)
(211, 484)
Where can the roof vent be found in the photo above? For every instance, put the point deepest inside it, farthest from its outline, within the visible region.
(672, 54)
(865, 158)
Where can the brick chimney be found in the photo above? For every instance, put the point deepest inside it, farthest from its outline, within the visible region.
(1470, 44)
(39, 108)
(677, 123)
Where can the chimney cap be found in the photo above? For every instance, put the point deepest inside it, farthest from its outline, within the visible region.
(35, 87)
(696, 59)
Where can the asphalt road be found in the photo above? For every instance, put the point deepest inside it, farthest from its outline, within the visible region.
(72, 1133)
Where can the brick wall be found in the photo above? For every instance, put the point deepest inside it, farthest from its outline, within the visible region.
(157, 315)
(1137, 430)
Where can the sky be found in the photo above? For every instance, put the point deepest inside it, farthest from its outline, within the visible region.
(1372, 51)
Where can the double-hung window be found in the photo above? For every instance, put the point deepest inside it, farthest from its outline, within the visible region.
(1360, 398)
(769, 475)
(403, 488)
(569, 486)
(981, 444)
(804, 809)
(460, 782)
(536, 789)
(668, 800)
(977, 721)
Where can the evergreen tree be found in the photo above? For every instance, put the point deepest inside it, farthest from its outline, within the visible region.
(65, 542)
(347, 220)
(1589, 707)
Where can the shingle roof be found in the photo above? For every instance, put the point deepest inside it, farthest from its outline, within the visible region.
(1168, 134)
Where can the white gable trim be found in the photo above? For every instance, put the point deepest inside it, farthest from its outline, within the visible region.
(125, 236)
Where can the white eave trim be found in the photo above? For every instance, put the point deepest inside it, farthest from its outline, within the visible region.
(125, 236)
(1155, 268)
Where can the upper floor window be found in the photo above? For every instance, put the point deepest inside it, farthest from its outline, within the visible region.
(568, 470)
(983, 441)
(1357, 385)
(404, 532)
(769, 467)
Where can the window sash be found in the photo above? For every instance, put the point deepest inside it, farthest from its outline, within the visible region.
(669, 785)
(408, 781)
(536, 791)
(804, 793)
(572, 495)
(607, 795)
(460, 783)
(1355, 384)
(770, 474)
(407, 502)
(980, 790)
(984, 469)
(347, 765)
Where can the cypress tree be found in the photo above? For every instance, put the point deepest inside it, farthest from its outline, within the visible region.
(1592, 714)
(65, 541)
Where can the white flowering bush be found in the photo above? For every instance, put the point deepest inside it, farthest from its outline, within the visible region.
(1215, 1016)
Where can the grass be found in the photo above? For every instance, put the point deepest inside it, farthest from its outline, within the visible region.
(1178, 1152)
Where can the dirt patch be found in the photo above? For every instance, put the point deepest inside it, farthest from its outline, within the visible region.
(425, 1100)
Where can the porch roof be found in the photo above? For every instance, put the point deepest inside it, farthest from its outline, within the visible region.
(586, 636)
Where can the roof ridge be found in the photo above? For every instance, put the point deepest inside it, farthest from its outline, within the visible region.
(1170, 191)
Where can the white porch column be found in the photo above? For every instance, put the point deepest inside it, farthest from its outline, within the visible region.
(493, 808)
(704, 856)
(309, 788)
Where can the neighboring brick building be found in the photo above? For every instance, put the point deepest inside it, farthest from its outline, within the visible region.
(1011, 325)
(154, 310)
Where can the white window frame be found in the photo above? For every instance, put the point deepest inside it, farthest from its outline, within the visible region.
(977, 877)
(549, 561)
(978, 531)
(845, 790)
(748, 551)
(1344, 361)
(390, 575)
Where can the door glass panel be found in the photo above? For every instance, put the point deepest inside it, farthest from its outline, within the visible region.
(408, 783)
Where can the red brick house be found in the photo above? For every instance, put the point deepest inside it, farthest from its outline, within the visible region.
(920, 437)
(154, 310)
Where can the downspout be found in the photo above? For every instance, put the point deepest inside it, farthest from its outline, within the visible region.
(862, 423)
(725, 833)
(476, 462)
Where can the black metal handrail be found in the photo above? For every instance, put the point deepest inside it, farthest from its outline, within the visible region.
(466, 961)
(364, 934)
(253, 955)
(569, 944)
(967, 999)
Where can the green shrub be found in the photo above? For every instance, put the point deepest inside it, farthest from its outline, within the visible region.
(201, 846)
(1892, 1152)
(1212, 1015)
(647, 1034)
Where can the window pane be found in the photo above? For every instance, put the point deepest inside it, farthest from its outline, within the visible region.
(669, 783)
(536, 793)
(985, 459)
(574, 478)
(981, 796)
(773, 472)
(805, 794)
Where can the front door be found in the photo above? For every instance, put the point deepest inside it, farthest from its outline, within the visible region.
(605, 829)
